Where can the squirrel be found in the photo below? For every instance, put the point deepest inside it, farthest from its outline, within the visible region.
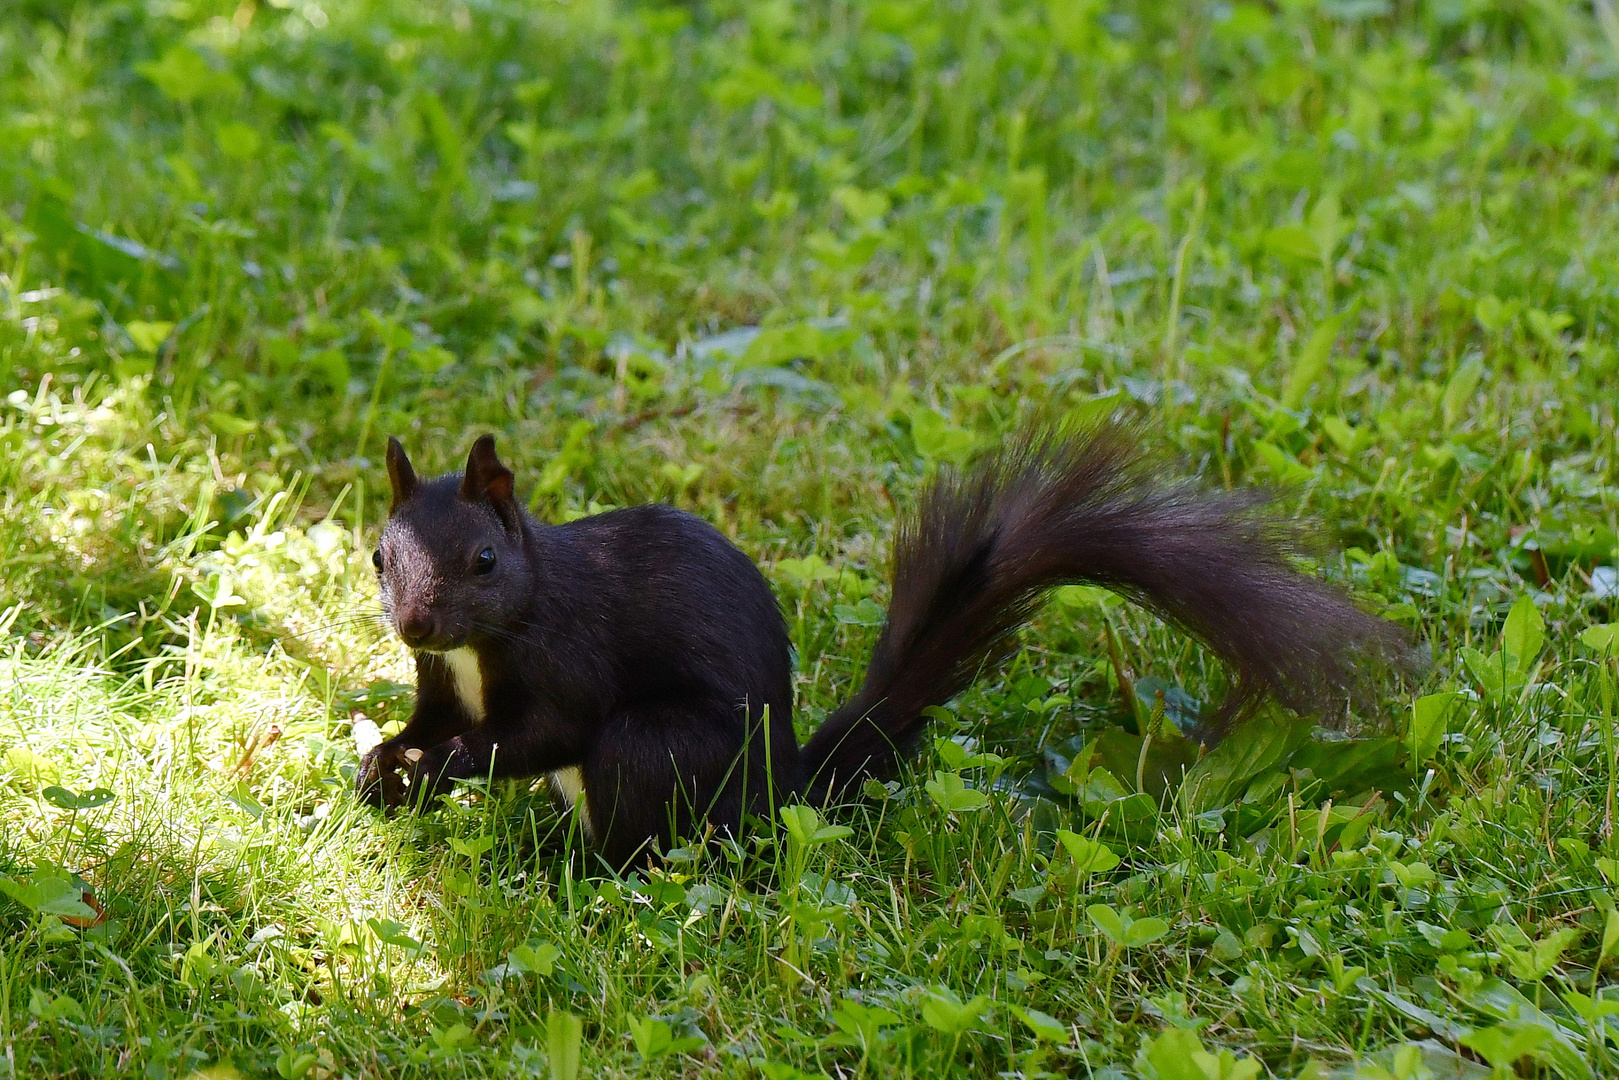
(641, 660)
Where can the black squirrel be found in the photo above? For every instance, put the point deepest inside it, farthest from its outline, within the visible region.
(641, 659)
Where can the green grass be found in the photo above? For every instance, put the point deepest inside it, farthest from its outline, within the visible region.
(775, 262)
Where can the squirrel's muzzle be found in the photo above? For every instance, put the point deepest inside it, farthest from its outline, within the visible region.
(418, 628)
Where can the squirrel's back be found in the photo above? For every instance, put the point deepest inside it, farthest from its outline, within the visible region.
(684, 609)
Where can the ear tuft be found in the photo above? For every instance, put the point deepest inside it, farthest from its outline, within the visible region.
(400, 473)
(487, 480)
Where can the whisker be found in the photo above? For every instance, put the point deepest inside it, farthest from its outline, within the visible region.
(545, 637)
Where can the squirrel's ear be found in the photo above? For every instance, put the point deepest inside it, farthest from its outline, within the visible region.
(487, 480)
(400, 474)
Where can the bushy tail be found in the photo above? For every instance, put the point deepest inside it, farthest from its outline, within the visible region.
(985, 545)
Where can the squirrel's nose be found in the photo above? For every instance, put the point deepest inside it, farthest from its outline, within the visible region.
(416, 628)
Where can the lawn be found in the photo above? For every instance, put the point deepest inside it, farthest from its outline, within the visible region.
(777, 263)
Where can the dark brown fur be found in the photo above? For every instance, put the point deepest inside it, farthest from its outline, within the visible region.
(986, 545)
(642, 647)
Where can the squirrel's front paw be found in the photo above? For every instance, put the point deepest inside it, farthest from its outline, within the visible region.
(378, 780)
(428, 774)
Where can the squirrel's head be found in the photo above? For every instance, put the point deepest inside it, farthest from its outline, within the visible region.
(451, 561)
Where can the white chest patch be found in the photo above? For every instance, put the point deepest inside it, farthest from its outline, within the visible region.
(468, 679)
(567, 785)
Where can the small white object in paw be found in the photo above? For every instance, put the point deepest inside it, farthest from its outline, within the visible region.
(367, 736)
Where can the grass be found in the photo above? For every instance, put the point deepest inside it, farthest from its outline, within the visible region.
(774, 262)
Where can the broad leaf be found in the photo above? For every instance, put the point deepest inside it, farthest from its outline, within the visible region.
(1310, 362)
(1113, 926)
(1045, 1027)
(863, 1024)
(1261, 744)
(945, 1012)
(1523, 634)
(1536, 962)
(955, 756)
(1090, 856)
(563, 1034)
(472, 848)
(936, 440)
(805, 827)
(1142, 931)
(1496, 674)
(67, 799)
(48, 893)
(1124, 931)
(1428, 716)
(1504, 1044)
(392, 932)
(865, 613)
(183, 75)
(533, 959)
(654, 1040)
(1603, 638)
(1459, 390)
(1087, 596)
(952, 794)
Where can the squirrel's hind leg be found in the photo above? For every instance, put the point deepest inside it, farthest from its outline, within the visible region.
(664, 773)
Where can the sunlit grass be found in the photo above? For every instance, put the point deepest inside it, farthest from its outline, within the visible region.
(775, 262)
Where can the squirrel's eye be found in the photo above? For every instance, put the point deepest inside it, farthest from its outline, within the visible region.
(485, 561)
(376, 559)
